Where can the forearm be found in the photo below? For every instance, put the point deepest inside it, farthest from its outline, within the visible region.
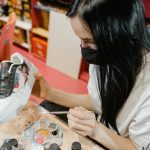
(69, 100)
(111, 140)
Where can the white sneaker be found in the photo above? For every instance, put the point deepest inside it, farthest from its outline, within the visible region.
(16, 82)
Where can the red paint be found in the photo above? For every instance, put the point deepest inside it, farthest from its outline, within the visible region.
(39, 140)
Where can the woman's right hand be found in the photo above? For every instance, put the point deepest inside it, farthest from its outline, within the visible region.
(41, 87)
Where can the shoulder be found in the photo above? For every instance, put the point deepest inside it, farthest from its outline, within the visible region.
(134, 118)
(141, 89)
(140, 93)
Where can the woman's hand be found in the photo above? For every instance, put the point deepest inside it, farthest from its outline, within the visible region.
(40, 88)
(82, 121)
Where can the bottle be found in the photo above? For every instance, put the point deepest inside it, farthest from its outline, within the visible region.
(9, 144)
(76, 146)
(54, 146)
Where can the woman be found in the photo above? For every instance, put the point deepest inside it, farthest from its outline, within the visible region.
(114, 41)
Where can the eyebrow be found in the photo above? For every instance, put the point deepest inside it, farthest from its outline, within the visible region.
(87, 40)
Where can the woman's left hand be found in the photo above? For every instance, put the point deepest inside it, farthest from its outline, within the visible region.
(82, 121)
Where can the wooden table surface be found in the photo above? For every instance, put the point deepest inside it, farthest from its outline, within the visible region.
(31, 113)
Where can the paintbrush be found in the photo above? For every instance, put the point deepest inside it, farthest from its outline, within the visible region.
(55, 112)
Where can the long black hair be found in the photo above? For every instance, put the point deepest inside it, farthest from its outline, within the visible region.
(119, 31)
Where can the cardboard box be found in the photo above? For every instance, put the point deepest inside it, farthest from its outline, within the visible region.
(39, 47)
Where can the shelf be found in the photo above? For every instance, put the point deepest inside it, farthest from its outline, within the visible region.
(24, 45)
(16, 7)
(49, 8)
(25, 1)
(42, 7)
(40, 32)
(19, 23)
(21, 9)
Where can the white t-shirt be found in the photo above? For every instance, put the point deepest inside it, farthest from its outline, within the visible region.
(134, 118)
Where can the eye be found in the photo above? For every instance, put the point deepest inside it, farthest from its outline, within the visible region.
(88, 44)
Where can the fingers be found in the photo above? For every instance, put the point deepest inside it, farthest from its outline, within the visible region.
(43, 95)
(81, 113)
(80, 121)
(38, 76)
(80, 128)
(36, 88)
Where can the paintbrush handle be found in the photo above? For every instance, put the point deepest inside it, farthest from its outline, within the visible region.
(56, 112)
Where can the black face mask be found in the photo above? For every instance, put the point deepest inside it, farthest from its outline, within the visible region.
(90, 55)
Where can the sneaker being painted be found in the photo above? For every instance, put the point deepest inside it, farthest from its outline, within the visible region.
(16, 82)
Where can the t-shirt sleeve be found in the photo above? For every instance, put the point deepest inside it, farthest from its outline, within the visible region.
(93, 89)
(139, 129)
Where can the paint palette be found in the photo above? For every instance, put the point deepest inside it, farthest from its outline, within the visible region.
(41, 133)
